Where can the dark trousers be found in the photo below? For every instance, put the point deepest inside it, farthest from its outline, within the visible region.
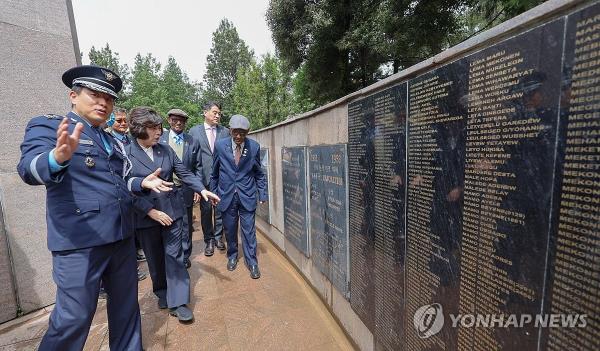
(188, 230)
(234, 213)
(164, 255)
(212, 231)
(77, 274)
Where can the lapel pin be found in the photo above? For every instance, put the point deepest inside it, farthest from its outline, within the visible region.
(89, 161)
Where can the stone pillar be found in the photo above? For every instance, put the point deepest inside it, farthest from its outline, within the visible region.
(39, 42)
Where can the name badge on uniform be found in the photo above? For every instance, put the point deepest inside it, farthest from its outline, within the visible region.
(85, 142)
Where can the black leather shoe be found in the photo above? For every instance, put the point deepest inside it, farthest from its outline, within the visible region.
(187, 263)
(254, 272)
(231, 264)
(162, 303)
(220, 245)
(139, 256)
(209, 250)
(102, 295)
(141, 274)
(183, 313)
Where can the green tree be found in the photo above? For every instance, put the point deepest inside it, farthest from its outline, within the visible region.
(264, 93)
(300, 92)
(105, 57)
(176, 91)
(228, 55)
(344, 45)
(480, 15)
(145, 81)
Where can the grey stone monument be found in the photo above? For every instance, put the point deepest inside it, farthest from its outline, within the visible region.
(39, 42)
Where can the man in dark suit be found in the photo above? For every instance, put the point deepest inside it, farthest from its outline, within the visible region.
(236, 177)
(188, 150)
(207, 134)
(89, 212)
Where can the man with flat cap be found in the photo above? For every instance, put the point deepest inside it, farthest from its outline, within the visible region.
(188, 151)
(89, 212)
(237, 176)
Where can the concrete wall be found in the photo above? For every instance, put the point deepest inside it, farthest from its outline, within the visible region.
(38, 45)
(329, 125)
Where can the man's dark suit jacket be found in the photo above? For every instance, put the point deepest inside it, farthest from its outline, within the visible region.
(191, 160)
(170, 202)
(245, 178)
(199, 133)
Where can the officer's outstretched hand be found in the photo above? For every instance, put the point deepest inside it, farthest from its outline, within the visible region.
(66, 144)
(208, 196)
(153, 182)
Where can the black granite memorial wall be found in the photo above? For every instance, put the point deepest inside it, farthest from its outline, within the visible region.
(262, 210)
(377, 179)
(329, 213)
(485, 201)
(295, 199)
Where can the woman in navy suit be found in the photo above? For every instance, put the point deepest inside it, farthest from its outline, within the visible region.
(159, 216)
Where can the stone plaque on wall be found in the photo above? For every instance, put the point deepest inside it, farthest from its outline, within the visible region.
(328, 213)
(377, 177)
(500, 161)
(482, 135)
(262, 210)
(295, 200)
(574, 284)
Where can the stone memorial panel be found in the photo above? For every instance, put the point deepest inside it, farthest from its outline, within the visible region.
(377, 152)
(262, 210)
(295, 200)
(436, 156)
(361, 194)
(500, 220)
(514, 89)
(328, 213)
(574, 274)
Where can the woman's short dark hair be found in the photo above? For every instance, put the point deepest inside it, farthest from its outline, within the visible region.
(141, 118)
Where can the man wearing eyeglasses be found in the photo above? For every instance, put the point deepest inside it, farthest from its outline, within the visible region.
(188, 150)
(207, 134)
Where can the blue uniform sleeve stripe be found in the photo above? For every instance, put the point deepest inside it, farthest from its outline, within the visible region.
(129, 182)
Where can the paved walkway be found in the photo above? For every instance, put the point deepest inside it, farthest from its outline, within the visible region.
(279, 311)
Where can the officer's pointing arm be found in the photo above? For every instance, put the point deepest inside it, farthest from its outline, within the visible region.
(38, 164)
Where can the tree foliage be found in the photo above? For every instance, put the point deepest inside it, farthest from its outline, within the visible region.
(344, 45)
(228, 55)
(145, 79)
(263, 92)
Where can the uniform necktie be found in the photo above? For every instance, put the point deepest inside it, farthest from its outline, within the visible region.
(106, 145)
(238, 154)
(213, 137)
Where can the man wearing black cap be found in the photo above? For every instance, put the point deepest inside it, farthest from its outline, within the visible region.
(89, 212)
(188, 151)
(237, 176)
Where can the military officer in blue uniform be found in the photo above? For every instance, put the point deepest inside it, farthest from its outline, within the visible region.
(89, 212)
